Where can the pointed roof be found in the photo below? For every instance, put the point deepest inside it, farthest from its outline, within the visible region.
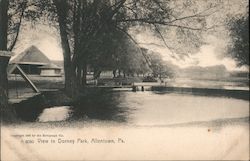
(32, 55)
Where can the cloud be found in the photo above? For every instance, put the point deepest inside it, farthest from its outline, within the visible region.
(214, 52)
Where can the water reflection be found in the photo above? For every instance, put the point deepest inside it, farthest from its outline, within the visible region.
(101, 104)
(138, 108)
(60, 113)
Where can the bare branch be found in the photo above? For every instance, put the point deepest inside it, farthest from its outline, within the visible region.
(164, 41)
(197, 15)
(24, 5)
(133, 40)
(148, 21)
(117, 8)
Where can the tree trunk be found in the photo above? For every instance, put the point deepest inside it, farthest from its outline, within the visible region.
(70, 74)
(7, 112)
(97, 73)
(114, 73)
(84, 74)
(3, 24)
(3, 60)
(3, 82)
(79, 76)
(119, 72)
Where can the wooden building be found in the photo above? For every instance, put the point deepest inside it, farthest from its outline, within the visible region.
(33, 62)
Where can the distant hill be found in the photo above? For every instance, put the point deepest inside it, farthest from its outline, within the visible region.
(240, 74)
(197, 72)
(211, 72)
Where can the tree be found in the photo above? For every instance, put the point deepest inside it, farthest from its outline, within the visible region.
(70, 77)
(119, 53)
(11, 15)
(85, 27)
(239, 32)
(3, 61)
(160, 69)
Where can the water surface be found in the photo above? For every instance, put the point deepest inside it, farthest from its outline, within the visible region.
(140, 108)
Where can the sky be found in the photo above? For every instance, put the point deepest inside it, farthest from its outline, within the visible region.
(209, 55)
(44, 37)
(212, 53)
(217, 41)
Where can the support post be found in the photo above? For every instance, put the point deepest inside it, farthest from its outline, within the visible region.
(27, 79)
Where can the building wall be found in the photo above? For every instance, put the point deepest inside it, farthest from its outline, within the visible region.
(29, 69)
(106, 74)
(50, 72)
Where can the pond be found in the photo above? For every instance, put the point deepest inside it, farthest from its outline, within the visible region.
(137, 108)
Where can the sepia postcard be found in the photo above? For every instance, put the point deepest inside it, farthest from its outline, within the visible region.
(124, 80)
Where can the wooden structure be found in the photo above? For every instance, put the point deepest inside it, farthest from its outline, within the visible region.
(33, 62)
(50, 70)
(25, 77)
